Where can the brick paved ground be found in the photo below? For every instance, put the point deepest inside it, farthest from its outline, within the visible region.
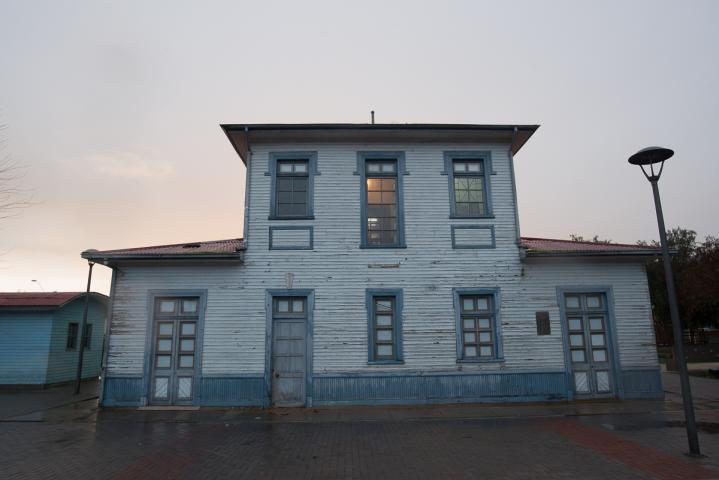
(612, 440)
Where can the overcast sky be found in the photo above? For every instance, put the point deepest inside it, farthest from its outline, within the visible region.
(113, 107)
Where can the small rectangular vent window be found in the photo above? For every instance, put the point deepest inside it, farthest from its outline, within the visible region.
(543, 325)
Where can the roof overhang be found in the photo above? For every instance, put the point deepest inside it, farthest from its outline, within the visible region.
(93, 295)
(112, 260)
(637, 253)
(212, 251)
(242, 136)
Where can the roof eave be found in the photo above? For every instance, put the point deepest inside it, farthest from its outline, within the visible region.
(108, 259)
(27, 308)
(374, 126)
(96, 295)
(638, 253)
(246, 128)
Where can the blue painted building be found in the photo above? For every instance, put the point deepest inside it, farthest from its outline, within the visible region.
(380, 264)
(40, 337)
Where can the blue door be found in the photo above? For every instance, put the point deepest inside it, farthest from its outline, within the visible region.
(174, 350)
(288, 369)
(589, 346)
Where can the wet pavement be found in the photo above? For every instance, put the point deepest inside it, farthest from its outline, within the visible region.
(612, 439)
(36, 402)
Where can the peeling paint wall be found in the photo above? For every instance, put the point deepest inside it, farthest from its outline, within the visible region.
(339, 272)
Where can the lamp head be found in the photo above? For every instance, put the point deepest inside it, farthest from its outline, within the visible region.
(651, 155)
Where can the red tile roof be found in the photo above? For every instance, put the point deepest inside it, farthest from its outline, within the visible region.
(551, 246)
(233, 248)
(40, 299)
(211, 249)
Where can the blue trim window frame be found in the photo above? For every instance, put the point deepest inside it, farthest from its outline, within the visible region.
(484, 158)
(492, 244)
(309, 246)
(274, 172)
(363, 158)
(384, 326)
(481, 341)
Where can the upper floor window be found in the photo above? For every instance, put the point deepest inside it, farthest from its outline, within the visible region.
(469, 184)
(478, 336)
(291, 189)
(382, 213)
(469, 195)
(292, 185)
(382, 219)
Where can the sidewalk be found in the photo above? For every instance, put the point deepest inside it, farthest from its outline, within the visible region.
(587, 440)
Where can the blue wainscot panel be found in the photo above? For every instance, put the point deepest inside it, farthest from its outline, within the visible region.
(233, 391)
(642, 384)
(123, 392)
(444, 388)
(214, 391)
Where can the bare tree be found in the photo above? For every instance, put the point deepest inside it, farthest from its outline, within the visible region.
(13, 199)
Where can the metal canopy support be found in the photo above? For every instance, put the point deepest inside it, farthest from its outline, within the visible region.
(83, 326)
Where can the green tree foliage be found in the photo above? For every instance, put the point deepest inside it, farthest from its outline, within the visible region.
(696, 276)
(594, 239)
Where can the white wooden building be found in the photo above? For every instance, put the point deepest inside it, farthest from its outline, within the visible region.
(381, 264)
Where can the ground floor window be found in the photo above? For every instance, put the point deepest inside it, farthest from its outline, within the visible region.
(476, 312)
(87, 336)
(71, 341)
(384, 312)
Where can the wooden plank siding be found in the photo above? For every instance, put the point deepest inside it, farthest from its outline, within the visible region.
(24, 346)
(339, 272)
(62, 365)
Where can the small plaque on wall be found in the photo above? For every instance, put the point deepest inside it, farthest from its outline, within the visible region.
(543, 327)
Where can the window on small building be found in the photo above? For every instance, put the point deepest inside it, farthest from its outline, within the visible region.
(478, 336)
(71, 342)
(384, 326)
(87, 337)
(469, 184)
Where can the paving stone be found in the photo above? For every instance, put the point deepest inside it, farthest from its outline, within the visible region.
(604, 440)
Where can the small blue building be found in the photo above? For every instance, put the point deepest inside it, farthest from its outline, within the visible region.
(40, 337)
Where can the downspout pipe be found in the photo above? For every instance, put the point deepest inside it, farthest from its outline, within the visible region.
(514, 189)
(106, 336)
(81, 350)
(246, 222)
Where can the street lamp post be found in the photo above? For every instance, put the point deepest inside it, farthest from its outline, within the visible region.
(651, 156)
